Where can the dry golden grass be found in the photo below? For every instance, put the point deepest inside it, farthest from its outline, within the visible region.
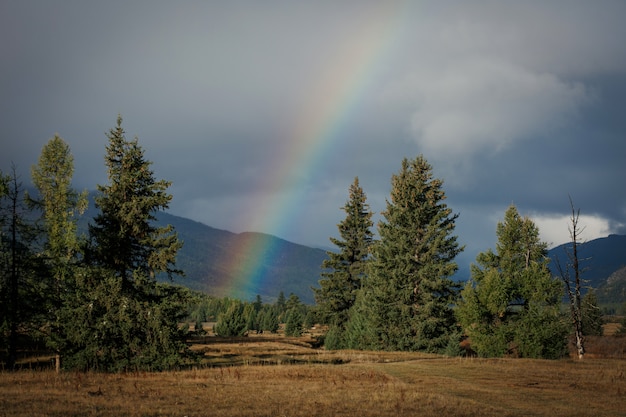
(312, 384)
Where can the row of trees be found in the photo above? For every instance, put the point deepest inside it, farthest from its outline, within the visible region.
(396, 293)
(237, 318)
(95, 299)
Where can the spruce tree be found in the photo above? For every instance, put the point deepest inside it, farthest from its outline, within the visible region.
(409, 291)
(345, 269)
(124, 238)
(59, 205)
(511, 303)
(123, 318)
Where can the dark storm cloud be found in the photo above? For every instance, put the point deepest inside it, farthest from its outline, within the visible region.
(511, 102)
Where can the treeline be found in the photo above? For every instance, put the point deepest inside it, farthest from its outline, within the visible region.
(232, 317)
(396, 293)
(94, 299)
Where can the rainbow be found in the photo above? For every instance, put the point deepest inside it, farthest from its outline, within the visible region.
(333, 98)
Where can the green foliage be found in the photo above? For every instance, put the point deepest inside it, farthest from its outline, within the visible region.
(23, 305)
(591, 315)
(333, 340)
(347, 267)
(123, 235)
(60, 206)
(233, 321)
(270, 321)
(408, 293)
(110, 330)
(293, 323)
(120, 317)
(511, 303)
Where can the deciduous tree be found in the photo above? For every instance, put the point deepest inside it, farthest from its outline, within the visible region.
(59, 205)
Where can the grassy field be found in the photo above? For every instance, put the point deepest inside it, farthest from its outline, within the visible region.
(279, 376)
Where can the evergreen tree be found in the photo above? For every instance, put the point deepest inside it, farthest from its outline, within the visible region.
(233, 321)
(59, 205)
(293, 323)
(346, 268)
(280, 303)
(22, 291)
(124, 238)
(591, 315)
(511, 303)
(130, 321)
(409, 293)
(270, 319)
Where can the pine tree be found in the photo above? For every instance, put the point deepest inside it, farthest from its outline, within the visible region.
(293, 323)
(233, 321)
(123, 236)
(59, 205)
(346, 268)
(130, 321)
(409, 293)
(511, 303)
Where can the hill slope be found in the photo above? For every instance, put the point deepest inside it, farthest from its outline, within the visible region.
(222, 263)
(599, 258)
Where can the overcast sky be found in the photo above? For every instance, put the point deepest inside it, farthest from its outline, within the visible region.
(263, 112)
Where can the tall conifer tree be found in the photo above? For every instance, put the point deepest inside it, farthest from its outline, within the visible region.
(123, 318)
(408, 294)
(347, 267)
(124, 236)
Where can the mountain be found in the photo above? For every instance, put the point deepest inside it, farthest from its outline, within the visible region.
(218, 262)
(614, 289)
(223, 263)
(599, 259)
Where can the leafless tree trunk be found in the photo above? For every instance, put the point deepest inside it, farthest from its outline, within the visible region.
(573, 286)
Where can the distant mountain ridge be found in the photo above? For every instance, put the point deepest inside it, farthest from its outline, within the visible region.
(207, 259)
(599, 258)
(214, 263)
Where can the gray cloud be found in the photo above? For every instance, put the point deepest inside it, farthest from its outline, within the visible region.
(511, 102)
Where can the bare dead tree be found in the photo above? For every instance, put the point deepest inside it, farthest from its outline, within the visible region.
(573, 284)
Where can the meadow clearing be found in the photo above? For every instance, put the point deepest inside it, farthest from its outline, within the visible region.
(278, 376)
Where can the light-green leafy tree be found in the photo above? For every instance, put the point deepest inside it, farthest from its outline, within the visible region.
(511, 303)
(59, 205)
(346, 268)
(408, 294)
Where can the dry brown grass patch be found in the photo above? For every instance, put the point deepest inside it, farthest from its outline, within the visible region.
(365, 384)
